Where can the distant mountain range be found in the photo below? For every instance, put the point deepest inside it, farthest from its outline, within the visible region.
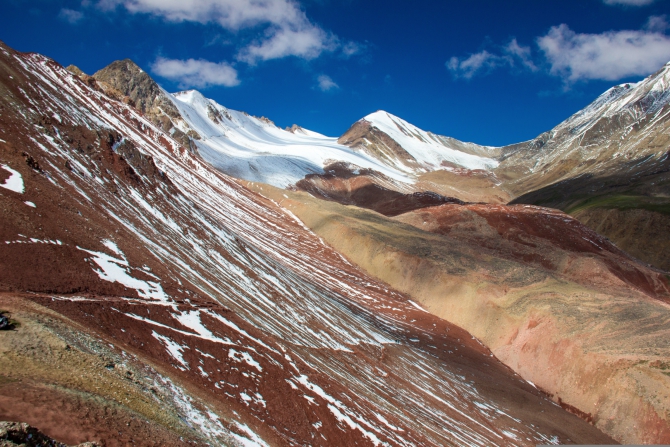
(174, 275)
(607, 164)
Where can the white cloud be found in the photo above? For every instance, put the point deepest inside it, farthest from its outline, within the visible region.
(70, 15)
(475, 63)
(288, 31)
(196, 73)
(628, 2)
(307, 43)
(608, 56)
(511, 55)
(657, 24)
(352, 48)
(326, 83)
(520, 53)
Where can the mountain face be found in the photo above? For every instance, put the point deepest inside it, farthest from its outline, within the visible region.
(608, 165)
(156, 300)
(401, 143)
(623, 132)
(394, 151)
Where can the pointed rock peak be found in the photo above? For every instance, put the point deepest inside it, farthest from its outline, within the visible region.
(125, 65)
(128, 78)
(124, 75)
(75, 70)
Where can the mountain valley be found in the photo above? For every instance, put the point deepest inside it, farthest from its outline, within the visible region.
(185, 274)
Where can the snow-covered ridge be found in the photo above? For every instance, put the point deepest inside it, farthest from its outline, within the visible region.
(424, 146)
(255, 149)
(637, 99)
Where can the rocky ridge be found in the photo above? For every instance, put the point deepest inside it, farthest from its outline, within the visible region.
(147, 96)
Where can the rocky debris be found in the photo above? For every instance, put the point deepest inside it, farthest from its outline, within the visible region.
(265, 120)
(20, 434)
(4, 323)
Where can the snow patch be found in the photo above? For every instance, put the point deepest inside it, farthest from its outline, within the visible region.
(116, 270)
(174, 349)
(244, 357)
(14, 182)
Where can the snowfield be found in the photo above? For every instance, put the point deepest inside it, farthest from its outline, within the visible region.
(256, 150)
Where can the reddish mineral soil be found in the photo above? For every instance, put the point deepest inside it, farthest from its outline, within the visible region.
(552, 299)
(341, 184)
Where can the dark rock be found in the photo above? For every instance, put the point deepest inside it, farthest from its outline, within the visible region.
(20, 434)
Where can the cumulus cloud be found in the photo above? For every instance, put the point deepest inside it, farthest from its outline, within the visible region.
(628, 2)
(575, 57)
(196, 73)
(510, 55)
(287, 30)
(608, 56)
(473, 64)
(306, 43)
(325, 83)
(70, 15)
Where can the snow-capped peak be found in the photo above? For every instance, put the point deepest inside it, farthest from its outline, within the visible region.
(427, 148)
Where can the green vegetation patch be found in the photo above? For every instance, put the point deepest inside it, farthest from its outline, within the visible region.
(624, 202)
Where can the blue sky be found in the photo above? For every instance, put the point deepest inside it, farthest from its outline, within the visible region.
(489, 71)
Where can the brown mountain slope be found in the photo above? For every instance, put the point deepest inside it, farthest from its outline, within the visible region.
(361, 187)
(555, 301)
(607, 165)
(152, 290)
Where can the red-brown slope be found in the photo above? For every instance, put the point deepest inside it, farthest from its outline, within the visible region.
(362, 188)
(250, 327)
(549, 305)
(543, 238)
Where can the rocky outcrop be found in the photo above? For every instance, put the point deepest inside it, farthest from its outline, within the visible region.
(147, 96)
(75, 71)
(365, 137)
(17, 434)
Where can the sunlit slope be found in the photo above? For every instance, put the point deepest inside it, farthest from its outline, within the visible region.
(554, 300)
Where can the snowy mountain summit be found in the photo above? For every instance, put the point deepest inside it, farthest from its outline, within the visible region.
(256, 149)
